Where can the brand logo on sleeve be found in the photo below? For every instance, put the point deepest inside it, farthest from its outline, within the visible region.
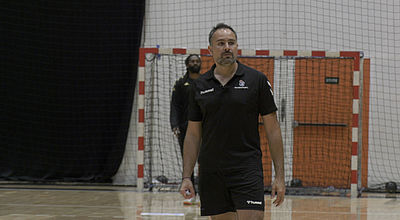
(270, 87)
(206, 91)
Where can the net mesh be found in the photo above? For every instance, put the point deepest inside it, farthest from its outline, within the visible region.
(371, 26)
(162, 152)
(314, 97)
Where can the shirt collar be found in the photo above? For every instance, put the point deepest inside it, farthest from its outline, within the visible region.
(239, 71)
(187, 78)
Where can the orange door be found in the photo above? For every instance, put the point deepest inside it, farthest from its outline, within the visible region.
(322, 124)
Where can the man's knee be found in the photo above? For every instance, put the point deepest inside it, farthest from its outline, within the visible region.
(225, 216)
(250, 214)
(240, 215)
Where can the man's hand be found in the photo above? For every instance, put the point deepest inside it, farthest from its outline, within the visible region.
(278, 190)
(187, 189)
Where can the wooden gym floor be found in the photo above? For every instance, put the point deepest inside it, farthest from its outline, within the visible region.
(43, 202)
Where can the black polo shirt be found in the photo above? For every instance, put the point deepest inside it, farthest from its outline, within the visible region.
(229, 116)
(180, 103)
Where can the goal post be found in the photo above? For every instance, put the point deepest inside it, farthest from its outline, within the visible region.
(319, 99)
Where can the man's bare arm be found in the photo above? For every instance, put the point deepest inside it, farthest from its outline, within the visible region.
(274, 137)
(191, 148)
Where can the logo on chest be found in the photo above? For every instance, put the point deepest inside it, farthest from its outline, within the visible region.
(206, 91)
(242, 85)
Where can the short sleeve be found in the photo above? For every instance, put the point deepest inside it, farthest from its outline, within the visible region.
(194, 108)
(266, 101)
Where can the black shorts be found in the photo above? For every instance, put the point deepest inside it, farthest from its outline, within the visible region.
(230, 190)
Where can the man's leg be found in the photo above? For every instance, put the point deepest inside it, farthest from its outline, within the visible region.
(250, 214)
(225, 216)
(240, 215)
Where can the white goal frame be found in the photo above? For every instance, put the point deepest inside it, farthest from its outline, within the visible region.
(357, 105)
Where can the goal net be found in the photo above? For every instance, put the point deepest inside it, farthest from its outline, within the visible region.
(318, 109)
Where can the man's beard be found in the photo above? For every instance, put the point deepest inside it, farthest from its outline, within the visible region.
(226, 60)
(194, 69)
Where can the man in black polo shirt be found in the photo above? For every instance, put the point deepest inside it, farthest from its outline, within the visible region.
(225, 104)
(180, 103)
